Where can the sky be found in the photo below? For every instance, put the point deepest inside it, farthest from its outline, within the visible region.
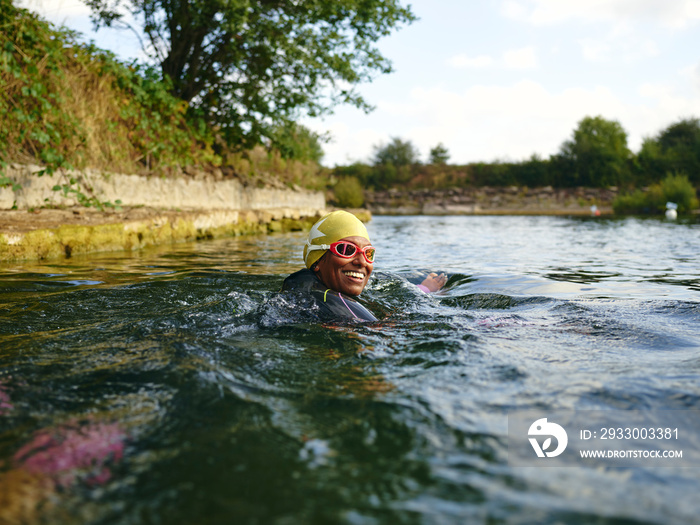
(502, 80)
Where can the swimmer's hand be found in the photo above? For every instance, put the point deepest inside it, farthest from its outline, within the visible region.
(434, 281)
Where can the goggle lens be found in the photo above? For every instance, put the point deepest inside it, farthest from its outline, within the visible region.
(346, 249)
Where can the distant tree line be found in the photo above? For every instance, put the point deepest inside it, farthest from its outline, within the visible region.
(595, 156)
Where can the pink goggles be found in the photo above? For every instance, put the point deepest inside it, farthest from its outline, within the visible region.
(346, 250)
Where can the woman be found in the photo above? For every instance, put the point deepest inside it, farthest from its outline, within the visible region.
(339, 260)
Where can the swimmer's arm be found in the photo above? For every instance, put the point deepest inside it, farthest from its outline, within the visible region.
(433, 282)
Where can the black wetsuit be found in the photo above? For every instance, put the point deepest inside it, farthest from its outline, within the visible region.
(332, 305)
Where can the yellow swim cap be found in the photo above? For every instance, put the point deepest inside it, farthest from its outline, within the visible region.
(329, 229)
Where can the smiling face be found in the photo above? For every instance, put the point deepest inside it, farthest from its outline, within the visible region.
(348, 276)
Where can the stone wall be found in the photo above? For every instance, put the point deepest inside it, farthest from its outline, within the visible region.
(491, 200)
(199, 192)
(39, 223)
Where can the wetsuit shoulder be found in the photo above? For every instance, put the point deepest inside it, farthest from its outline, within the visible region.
(332, 305)
(302, 280)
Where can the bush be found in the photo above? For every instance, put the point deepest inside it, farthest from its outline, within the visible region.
(632, 203)
(677, 188)
(362, 172)
(65, 104)
(674, 188)
(348, 193)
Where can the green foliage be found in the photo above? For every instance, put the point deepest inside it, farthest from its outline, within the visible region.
(635, 203)
(362, 172)
(67, 105)
(443, 176)
(675, 149)
(598, 154)
(397, 153)
(677, 188)
(348, 193)
(5, 181)
(679, 134)
(394, 163)
(159, 129)
(248, 67)
(439, 154)
(494, 174)
(673, 188)
(33, 121)
(534, 172)
(70, 187)
(297, 142)
(31, 61)
(648, 165)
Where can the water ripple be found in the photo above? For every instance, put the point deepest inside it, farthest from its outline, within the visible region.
(228, 401)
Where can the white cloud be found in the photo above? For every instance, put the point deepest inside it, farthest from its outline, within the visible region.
(621, 43)
(524, 58)
(595, 50)
(669, 100)
(694, 75)
(513, 9)
(490, 122)
(462, 61)
(58, 11)
(348, 144)
(648, 48)
(673, 13)
(692, 72)
(76, 15)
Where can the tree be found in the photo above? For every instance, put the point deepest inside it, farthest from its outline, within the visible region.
(649, 165)
(680, 148)
(295, 141)
(397, 152)
(675, 149)
(393, 163)
(247, 65)
(439, 154)
(598, 153)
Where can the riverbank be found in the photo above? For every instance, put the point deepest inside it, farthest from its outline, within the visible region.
(37, 222)
(52, 233)
(154, 210)
(489, 200)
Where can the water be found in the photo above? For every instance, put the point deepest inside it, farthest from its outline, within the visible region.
(177, 386)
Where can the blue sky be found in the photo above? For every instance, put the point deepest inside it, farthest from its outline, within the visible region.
(504, 79)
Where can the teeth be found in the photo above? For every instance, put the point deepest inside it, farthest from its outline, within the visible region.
(355, 274)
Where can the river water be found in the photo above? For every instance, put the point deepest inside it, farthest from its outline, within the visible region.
(176, 385)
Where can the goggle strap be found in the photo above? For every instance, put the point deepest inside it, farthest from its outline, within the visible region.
(311, 247)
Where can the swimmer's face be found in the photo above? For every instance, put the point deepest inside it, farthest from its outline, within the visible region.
(348, 276)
